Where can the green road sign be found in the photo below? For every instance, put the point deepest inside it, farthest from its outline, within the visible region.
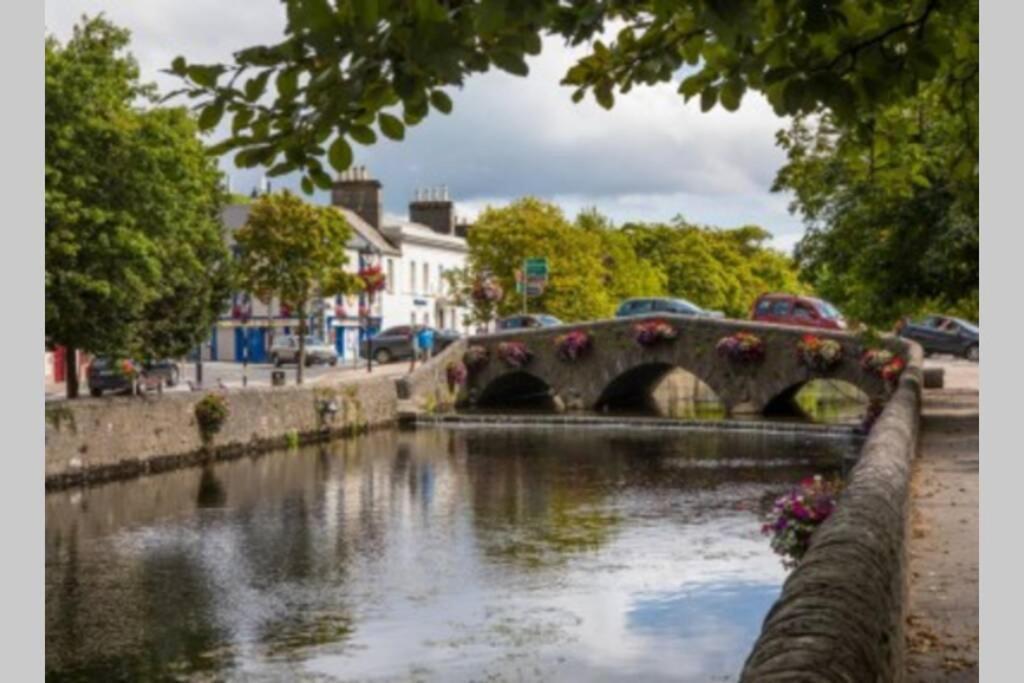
(536, 268)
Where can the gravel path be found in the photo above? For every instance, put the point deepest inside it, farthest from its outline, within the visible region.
(942, 621)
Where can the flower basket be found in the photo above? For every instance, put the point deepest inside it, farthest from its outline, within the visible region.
(373, 278)
(883, 363)
(653, 332)
(476, 357)
(572, 345)
(796, 515)
(819, 354)
(742, 347)
(455, 373)
(514, 354)
(211, 412)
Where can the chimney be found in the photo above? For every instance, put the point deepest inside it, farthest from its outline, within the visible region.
(356, 191)
(433, 208)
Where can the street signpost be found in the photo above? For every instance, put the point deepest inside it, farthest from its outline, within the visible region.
(532, 279)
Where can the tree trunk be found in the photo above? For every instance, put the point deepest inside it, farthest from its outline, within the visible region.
(71, 371)
(302, 344)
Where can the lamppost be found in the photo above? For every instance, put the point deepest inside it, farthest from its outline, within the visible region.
(366, 254)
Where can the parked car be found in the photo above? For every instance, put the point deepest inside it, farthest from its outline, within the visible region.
(108, 374)
(655, 305)
(527, 321)
(942, 334)
(792, 309)
(285, 349)
(395, 343)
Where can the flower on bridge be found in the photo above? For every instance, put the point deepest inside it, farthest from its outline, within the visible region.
(742, 347)
(455, 373)
(796, 515)
(514, 353)
(476, 357)
(883, 363)
(651, 332)
(572, 345)
(819, 354)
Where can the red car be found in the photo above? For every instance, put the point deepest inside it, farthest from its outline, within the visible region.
(790, 309)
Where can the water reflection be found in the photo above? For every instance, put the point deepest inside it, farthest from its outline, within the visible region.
(543, 554)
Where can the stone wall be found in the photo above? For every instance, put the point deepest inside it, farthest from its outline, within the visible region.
(841, 612)
(427, 386)
(95, 439)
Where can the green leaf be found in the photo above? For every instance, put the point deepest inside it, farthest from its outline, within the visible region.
(731, 94)
(321, 179)
(708, 97)
(288, 83)
(241, 120)
(307, 185)
(441, 102)
(367, 13)
(340, 154)
(211, 115)
(490, 16)
(691, 86)
(604, 96)
(391, 126)
(364, 135)
(205, 76)
(793, 95)
(510, 62)
(255, 87)
(178, 66)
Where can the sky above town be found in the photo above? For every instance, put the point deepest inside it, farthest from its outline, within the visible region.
(651, 158)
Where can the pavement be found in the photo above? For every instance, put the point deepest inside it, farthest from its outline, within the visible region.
(942, 614)
(230, 375)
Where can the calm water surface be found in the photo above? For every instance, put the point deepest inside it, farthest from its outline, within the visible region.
(469, 554)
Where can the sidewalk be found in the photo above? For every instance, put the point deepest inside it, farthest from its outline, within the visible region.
(942, 621)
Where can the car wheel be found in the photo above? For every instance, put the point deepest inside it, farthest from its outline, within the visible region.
(96, 392)
(382, 356)
(973, 353)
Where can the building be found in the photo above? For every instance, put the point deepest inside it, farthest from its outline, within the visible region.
(413, 254)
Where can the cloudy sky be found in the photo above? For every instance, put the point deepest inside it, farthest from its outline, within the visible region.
(651, 158)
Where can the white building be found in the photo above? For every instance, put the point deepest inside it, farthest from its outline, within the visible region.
(413, 255)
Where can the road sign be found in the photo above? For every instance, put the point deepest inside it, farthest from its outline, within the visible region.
(536, 268)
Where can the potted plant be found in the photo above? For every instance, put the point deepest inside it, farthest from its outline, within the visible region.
(796, 515)
(514, 353)
(742, 347)
(819, 354)
(572, 345)
(653, 332)
(455, 373)
(883, 363)
(476, 357)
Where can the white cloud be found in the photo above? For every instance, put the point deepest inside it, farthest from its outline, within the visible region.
(649, 158)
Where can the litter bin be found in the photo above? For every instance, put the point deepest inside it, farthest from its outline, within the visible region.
(277, 378)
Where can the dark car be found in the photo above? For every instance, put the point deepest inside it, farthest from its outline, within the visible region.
(656, 305)
(528, 321)
(106, 374)
(943, 334)
(395, 343)
(793, 309)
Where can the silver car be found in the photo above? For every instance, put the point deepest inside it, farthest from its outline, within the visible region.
(285, 349)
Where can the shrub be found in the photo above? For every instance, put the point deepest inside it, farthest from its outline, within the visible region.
(572, 345)
(819, 354)
(476, 357)
(742, 347)
(651, 332)
(796, 515)
(211, 412)
(514, 353)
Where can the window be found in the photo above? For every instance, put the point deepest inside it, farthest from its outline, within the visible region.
(780, 307)
(764, 306)
(803, 312)
(391, 276)
(412, 281)
(426, 278)
(400, 331)
(641, 306)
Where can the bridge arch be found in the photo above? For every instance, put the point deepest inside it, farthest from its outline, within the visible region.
(658, 387)
(516, 389)
(819, 399)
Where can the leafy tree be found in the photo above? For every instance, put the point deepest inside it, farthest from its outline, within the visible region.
(293, 250)
(891, 208)
(135, 264)
(626, 274)
(344, 67)
(502, 239)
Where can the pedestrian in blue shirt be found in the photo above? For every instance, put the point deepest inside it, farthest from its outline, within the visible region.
(426, 342)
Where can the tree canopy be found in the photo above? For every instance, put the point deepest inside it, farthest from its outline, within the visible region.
(348, 69)
(293, 251)
(135, 263)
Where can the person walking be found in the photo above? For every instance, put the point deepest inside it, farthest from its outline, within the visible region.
(426, 342)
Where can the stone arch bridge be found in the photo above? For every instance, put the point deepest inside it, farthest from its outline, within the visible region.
(617, 370)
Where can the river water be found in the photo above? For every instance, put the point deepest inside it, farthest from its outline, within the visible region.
(470, 554)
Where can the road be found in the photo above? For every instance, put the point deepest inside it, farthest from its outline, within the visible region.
(230, 375)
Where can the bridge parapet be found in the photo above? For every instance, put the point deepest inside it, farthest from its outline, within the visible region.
(617, 366)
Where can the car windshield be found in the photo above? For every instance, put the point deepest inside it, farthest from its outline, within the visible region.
(313, 341)
(970, 327)
(686, 305)
(549, 320)
(827, 309)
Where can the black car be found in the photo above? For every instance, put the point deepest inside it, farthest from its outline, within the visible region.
(107, 374)
(656, 305)
(943, 334)
(395, 343)
(528, 321)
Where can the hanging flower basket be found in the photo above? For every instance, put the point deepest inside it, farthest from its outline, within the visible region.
(572, 345)
(652, 332)
(796, 515)
(455, 373)
(487, 291)
(514, 354)
(373, 278)
(742, 347)
(476, 357)
(819, 354)
(883, 363)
